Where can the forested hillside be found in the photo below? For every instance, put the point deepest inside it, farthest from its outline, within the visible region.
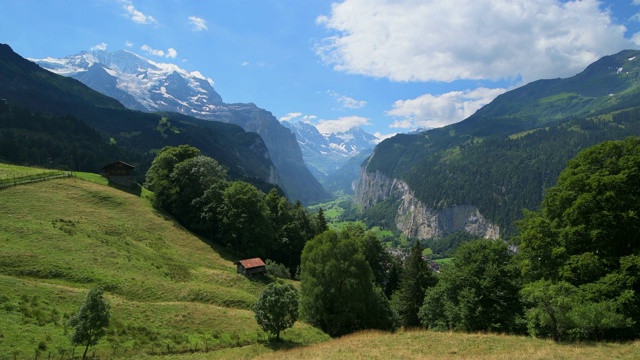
(504, 157)
(32, 95)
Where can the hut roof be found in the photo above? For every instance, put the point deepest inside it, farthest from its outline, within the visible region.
(118, 162)
(252, 263)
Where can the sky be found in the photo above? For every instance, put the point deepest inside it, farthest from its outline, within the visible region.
(388, 66)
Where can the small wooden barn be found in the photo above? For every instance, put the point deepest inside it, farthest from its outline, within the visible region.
(120, 173)
(251, 267)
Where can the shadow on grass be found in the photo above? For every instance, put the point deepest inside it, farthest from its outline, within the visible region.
(135, 189)
(282, 344)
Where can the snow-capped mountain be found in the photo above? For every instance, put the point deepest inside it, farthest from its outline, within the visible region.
(145, 85)
(324, 154)
(139, 83)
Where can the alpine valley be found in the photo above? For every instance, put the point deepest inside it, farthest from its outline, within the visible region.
(476, 176)
(144, 85)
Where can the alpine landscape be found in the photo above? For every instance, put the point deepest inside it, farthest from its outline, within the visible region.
(382, 182)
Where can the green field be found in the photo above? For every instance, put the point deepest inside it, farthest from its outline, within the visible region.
(170, 291)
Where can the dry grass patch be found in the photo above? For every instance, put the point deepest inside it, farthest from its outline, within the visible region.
(447, 345)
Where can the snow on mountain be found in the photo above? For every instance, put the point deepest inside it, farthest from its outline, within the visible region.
(326, 153)
(145, 85)
(154, 86)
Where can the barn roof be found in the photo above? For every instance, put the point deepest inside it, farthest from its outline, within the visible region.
(119, 162)
(252, 263)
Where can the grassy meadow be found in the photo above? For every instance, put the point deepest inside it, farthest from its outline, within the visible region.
(170, 291)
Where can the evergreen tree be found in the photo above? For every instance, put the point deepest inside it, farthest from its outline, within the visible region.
(416, 278)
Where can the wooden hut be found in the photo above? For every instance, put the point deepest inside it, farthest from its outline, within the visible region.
(251, 267)
(120, 173)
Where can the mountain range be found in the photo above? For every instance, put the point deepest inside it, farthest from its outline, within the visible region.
(326, 153)
(32, 93)
(478, 175)
(141, 84)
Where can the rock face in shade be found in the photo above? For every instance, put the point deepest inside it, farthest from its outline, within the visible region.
(414, 219)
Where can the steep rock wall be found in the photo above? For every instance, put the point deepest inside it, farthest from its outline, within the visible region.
(416, 220)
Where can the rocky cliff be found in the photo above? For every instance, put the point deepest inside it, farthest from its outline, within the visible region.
(416, 220)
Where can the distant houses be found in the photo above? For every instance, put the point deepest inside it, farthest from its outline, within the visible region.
(119, 173)
(251, 267)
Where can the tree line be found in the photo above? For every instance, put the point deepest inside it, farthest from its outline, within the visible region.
(572, 273)
(194, 189)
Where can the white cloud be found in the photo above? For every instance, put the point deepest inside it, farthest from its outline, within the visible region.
(101, 46)
(434, 40)
(136, 15)
(341, 124)
(171, 53)
(151, 51)
(429, 111)
(347, 102)
(197, 23)
(291, 116)
(128, 43)
(382, 136)
(298, 116)
(245, 63)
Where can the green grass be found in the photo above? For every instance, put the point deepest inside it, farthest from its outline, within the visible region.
(170, 291)
(10, 172)
(443, 261)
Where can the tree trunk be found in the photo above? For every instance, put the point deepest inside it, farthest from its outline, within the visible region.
(84, 356)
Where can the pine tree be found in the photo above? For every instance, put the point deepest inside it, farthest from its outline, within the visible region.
(416, 278)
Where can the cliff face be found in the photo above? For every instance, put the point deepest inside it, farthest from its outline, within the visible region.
(416, 220)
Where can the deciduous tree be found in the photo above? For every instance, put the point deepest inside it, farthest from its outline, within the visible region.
(91, 320)
(277, 308)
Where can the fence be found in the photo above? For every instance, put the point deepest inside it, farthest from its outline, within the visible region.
(13, 180)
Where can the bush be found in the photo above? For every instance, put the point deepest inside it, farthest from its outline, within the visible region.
(277, 270)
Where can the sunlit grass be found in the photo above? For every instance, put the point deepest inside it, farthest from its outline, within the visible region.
(170, 290)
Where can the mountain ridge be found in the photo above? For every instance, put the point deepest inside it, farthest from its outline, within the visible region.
(25, 84)
(502, 158)
(145, 85)
(326, 153)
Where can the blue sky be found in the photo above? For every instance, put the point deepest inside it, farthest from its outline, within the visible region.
(386, 65)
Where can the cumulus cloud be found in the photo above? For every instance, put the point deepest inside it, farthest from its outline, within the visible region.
(298, 116)
(101, 46)
(136, 15)
(433, 40)
(341, 124)
(347, 102)
(171, 53)
(197, 23)
(290, 116)
(431, 111)
(128, 43)
(151, 51)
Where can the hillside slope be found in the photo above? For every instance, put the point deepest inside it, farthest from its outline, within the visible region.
(24, 84)
(170, 291)
(477, 175)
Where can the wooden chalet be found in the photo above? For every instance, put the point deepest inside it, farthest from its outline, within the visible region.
(251, 267)
(120, 173)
